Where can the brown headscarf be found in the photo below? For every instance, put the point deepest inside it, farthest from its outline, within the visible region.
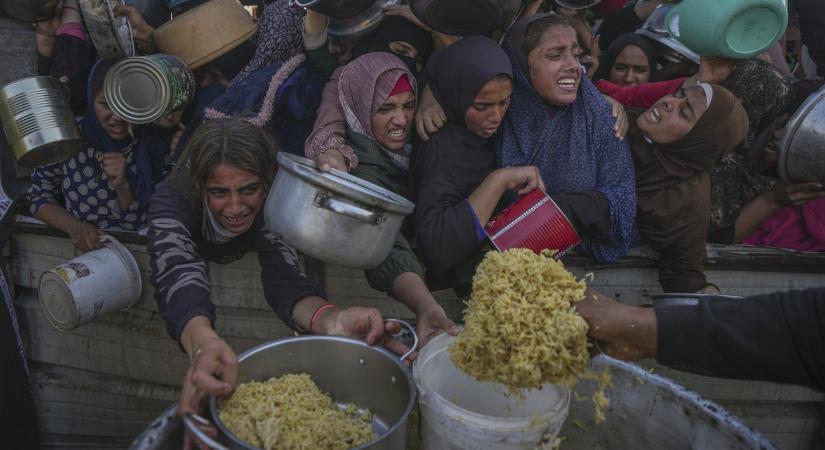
(673, 189)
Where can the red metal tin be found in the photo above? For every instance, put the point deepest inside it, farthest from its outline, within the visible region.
(534, 222)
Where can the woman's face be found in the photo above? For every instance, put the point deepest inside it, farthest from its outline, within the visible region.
(555, 70)
(116, 128)
(404, 48)
(392, 121)
(674, 115)
(631, 67)
(234, 196)
(169, 121)
(484, 116)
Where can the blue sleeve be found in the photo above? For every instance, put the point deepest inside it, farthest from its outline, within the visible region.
(480, 234)
(45, 186)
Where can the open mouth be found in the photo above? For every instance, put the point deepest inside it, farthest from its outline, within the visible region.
(236, 221)
(397, 134)
(568, 84)
(654, 116)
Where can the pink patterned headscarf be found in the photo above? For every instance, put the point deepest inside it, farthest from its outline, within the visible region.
(366, 83)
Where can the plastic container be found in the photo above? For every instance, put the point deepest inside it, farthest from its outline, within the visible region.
(91, 285)
(459, 412)
(732, 28)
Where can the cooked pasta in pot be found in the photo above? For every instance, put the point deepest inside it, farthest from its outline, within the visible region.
(290, 413)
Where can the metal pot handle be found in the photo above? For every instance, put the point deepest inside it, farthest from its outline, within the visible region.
(189, 421)
(347, 209)
(411, 330)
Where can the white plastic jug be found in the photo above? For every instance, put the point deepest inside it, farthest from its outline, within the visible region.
(459, 412)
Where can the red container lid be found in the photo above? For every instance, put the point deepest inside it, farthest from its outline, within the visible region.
(534, 222)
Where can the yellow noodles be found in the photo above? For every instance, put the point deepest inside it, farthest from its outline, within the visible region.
(521, 326)
(290, 412)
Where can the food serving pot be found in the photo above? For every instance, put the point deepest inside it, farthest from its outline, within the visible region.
(802, 146)
(334, 216)
(360, 24)
(349, 370)
(335, 9)
(669, 48)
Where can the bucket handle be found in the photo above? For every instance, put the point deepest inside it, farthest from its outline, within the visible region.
(189, 421)
(411, 330)
(347, 209)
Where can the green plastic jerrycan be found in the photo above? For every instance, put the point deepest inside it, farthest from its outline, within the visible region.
(728, 28)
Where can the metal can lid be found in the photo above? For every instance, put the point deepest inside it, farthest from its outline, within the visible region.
(137, 90)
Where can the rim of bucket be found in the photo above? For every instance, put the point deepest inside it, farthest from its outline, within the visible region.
(67, 294)
(128, 260)
(442, 343)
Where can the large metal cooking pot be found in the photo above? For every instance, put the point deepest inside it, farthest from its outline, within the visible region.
(350, 371)
(466, 17)
(361, 24)
(335, 9)
(669, 48)
(334, 217)
(38, 121)
(112, 36)
(577, 4)
(802, 146)
(30, 10)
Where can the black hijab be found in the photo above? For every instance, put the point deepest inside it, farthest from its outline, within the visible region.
(394, 28)
(458, 73)
(454, 162)
(609, 58)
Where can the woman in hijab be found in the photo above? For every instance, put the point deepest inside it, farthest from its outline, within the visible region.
(675, 144)
(559, 122)
(629, 61)
(108, 184)
(377, 93)
(457, 184)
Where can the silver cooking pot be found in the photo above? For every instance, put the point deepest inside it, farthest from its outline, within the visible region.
(670, 49)
(334, 217)
(361, 24)
(466, 17)
(349, 370)
(802, 146)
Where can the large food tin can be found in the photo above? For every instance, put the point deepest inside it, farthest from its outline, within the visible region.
(143, 89)
(38, 121)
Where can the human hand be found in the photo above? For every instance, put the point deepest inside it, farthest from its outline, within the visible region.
(620, 331)
(429, 117)
(331, 159)
(405, 12)
(362, 323)
(213, 371)
(114, 166)
(141, 31)
(621, 125)
(591, 61)
(432, 321)
(796, 194)
(522, 180)
(84, 236)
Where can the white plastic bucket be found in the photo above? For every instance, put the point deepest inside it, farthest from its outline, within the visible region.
(460, 412)
(91, 285)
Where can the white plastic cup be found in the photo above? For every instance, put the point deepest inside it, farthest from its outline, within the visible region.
(459, 412)
(91, 285)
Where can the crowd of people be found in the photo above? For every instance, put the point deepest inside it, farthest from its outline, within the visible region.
(634, 148)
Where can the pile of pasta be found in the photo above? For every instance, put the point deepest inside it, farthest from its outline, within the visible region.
(521, 329)
(290, 412)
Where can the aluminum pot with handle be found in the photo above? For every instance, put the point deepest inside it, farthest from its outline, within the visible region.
(335, 9)
(334, 217)
(466, 17)
(802, 146)
(349, 370)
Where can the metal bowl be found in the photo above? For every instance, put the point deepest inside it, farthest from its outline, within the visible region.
(336, 9)
(465, 17)
(360, 24)
(350, 371)
(112, 36)
(802, 146)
